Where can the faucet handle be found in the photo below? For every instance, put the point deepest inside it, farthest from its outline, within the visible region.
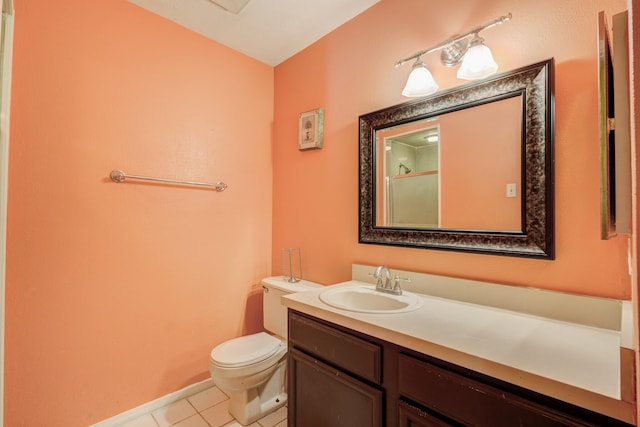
(396, 283)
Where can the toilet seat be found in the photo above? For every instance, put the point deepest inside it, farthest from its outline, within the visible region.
(246, 350)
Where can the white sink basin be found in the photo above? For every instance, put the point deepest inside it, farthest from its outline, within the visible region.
(365, 299)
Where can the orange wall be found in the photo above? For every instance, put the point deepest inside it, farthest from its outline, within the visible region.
(350, 72)
(116, 293)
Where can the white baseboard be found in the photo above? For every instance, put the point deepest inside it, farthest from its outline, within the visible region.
(155, 404)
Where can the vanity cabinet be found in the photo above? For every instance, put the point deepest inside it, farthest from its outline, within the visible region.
(342, 378)
(334, 377)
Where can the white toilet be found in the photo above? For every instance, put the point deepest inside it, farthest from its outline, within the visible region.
(251, 369)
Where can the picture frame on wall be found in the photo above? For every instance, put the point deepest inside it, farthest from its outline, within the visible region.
(310, 129)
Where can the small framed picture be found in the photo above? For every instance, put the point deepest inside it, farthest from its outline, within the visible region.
(310, 128)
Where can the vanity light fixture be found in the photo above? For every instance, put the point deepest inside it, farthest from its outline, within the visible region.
(420, 81)
(477, 60)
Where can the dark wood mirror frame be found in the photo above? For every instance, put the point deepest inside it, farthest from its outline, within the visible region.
(535, 84)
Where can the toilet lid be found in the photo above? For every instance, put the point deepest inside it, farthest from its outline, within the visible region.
(245, 350)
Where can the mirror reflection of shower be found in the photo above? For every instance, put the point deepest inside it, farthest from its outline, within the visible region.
(411, 189)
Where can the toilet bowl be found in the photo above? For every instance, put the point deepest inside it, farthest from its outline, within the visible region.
(247, 368)
(251, 369)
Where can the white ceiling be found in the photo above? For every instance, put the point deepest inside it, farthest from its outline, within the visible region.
(268, 30)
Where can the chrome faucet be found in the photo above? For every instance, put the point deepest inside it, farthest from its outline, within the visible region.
(384, 282)
(378, 275)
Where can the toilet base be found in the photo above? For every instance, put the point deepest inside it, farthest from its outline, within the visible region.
(250, 409)
(250, 405)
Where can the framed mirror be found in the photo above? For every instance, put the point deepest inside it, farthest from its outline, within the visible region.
(467, 169)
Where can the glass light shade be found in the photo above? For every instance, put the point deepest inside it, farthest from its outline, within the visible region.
(420, 82)
(478, 63)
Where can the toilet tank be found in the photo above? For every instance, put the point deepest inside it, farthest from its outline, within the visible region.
(274, 313)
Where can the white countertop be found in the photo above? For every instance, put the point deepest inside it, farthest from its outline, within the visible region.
(569, 361)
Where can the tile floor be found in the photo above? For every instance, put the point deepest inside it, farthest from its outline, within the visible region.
(205, 409)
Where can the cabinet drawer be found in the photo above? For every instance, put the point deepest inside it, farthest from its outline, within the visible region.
(350, 353)
(471, 402)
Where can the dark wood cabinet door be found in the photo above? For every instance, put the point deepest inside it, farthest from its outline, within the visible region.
(410, 416)
(321, 396)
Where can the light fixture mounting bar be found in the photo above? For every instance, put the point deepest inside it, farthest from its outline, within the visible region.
(476, 30)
